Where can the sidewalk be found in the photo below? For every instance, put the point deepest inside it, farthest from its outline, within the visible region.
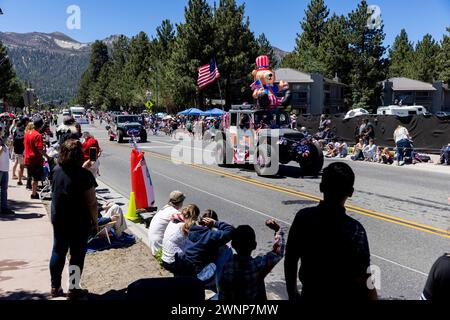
(25, 247)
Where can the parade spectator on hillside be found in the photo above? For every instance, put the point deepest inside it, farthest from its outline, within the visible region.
(4, 175)
(341, 246)
(358, 153)
(243, 276)
(176, 235)
(34, 155)
(437, 288)
(74, 216)
(403, 142)
(370, 151)
(161, 220)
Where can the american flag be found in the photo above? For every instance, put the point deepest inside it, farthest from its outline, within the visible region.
(207, 74)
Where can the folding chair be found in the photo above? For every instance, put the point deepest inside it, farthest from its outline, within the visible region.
(103, 228)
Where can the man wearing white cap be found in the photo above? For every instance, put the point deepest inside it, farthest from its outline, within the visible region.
(161, 220)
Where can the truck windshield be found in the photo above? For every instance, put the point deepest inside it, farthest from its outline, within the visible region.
(129, 119)
(272, 119)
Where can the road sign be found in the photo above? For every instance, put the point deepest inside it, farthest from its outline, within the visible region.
(149, 105)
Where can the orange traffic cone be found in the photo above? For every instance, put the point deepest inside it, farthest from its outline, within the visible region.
(132, 214)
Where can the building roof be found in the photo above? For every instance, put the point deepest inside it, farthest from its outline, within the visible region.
(293, 76)
(405, 84)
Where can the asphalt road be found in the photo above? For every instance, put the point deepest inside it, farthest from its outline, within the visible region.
(405, 212)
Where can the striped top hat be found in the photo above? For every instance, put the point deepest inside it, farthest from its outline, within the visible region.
(262, 62)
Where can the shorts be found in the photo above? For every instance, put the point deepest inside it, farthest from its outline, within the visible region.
(20, 158)
(35, 172)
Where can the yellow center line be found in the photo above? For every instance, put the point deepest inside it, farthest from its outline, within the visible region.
(365, 212)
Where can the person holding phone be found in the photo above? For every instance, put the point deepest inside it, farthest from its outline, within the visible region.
(92, 152)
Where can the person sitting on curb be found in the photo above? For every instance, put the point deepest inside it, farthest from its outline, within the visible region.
(342, 149)
(386, 157)
(243, 276)
(113, 213)
(207, 248)
(161, 220)
(176, 235)
(370, 151)
(445, 155)
(341, 246)
(358, 151)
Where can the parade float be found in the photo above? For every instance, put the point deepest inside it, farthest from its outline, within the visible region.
(260, 134)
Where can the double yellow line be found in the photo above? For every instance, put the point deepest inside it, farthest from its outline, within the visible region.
(352, 208)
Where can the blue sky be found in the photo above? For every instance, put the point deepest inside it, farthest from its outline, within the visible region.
(278, 19)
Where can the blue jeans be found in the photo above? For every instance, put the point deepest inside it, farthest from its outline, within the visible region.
(404, 144)
(445, 155)
(4, 177)
(359, 156)
(65, 238)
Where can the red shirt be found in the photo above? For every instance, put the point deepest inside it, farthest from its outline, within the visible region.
(33, 145)
(90, 143)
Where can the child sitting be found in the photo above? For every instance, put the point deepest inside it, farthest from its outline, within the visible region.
(386, 157)
(243, 276)
(370, 151)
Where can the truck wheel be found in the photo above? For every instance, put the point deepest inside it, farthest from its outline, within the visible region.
(144, 138)
(111, 138)
(264, 166)
(314, 164)
(220, 154)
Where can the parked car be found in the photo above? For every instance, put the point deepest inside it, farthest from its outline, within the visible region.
(402, 111)
(443, 114)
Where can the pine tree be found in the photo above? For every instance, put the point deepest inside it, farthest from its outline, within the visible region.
(401, 55)
(136, 70)
(366, 52)
(236, 50)
(443, 59)
(334, 53)
(99, 57)
(7, 74)
(116, 91)
(424, 66)
(307, 43)
(192, 48)
(265, 48)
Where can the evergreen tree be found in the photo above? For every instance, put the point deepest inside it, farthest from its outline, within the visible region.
(265, 48)
(99, 57)
(401, 55)
(334, 53)
(192, 48)
(307, 43)
(137, 74)
(116, 91)
(7, 74)
(366, 53)
(424, 66)
(161, 50)
(236, 51)
(443, 59)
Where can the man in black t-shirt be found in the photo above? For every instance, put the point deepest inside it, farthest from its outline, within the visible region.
(332, 247)
(437, 288)
(19, 149)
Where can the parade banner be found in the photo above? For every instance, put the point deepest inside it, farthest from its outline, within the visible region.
(429, 133)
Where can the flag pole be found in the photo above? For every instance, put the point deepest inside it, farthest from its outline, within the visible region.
(220, 92)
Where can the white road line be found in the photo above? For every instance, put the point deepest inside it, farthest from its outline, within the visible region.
(400, 265)
(219, 197)
(268, 216)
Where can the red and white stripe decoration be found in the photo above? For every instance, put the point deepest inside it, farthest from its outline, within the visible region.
(262, 62)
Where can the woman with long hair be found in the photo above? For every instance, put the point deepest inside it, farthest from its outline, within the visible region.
(175, 237)
(74, 216)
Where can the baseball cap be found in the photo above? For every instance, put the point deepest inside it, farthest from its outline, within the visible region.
(176, 197)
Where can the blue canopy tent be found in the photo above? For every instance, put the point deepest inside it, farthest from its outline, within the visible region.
(214, 113)
(192, 112)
